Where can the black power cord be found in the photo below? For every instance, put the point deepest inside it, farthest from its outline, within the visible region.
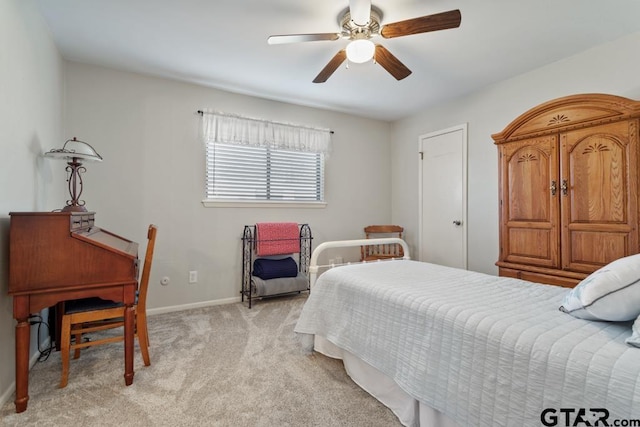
(36, 319)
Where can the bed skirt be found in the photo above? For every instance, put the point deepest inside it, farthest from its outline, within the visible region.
(410, 412)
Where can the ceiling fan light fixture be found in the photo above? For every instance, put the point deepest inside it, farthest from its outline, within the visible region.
(360, 51)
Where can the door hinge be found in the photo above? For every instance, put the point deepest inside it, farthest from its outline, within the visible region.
(421, 155)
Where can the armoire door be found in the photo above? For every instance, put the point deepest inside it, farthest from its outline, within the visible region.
(599, 195)
(529, 202)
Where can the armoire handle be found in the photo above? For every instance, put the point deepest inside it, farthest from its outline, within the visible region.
(553, 188)
(564, 187)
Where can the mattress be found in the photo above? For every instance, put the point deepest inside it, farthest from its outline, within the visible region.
(483, 350)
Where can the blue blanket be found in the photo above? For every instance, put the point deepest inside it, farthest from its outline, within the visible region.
(266, 269)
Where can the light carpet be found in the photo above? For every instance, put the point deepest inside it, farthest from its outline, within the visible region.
(217, 366)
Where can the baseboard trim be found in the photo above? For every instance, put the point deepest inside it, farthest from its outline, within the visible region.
(173, 308)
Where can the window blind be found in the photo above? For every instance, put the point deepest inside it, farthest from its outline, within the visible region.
(242, 172)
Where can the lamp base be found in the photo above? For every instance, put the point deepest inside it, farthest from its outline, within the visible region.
(72, 208)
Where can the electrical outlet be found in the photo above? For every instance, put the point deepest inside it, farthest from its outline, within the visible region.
(193, 276)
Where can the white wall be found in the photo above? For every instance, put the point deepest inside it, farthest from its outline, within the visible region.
(31, 82)
(146, 129)
(610, 68)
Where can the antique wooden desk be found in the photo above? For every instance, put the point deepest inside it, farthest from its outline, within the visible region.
(57, 256)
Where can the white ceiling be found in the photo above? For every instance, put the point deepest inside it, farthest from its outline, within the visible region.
(223, 44)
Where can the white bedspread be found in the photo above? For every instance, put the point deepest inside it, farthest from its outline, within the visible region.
(484, 350)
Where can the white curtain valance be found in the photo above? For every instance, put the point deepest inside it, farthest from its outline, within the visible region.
(232, 129)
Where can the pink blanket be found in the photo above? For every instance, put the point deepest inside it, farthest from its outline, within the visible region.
(277, 238)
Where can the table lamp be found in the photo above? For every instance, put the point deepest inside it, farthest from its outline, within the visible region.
(75, 152)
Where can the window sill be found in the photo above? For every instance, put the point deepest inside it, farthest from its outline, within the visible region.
(261, 204)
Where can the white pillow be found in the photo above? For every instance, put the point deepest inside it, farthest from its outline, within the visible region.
(634, 339)
(611, 293)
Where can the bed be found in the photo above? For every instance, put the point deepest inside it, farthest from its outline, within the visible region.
(448, 347)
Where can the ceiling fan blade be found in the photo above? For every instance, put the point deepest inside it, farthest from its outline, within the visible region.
(423, 24)
(390, 63)
(360, 11)
(297, 38)
(332, 66)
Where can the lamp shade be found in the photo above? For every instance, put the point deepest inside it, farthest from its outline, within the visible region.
(360, 51)
(75, 149)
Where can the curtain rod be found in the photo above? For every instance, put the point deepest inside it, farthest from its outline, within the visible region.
(202, 113)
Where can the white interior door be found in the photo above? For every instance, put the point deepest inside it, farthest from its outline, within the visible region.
(443, 197)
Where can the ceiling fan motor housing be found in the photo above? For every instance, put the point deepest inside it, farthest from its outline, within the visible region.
(354, 31)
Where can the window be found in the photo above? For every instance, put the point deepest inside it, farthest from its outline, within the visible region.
(255, 160)
(240, 172)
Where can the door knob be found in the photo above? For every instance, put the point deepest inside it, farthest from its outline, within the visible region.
(457, 223)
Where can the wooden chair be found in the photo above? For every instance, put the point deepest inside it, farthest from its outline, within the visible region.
(375, 252)
(95, 314)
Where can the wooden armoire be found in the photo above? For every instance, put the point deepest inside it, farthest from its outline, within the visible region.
(568, 172)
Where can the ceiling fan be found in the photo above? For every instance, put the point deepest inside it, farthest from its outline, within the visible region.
(360, 23)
